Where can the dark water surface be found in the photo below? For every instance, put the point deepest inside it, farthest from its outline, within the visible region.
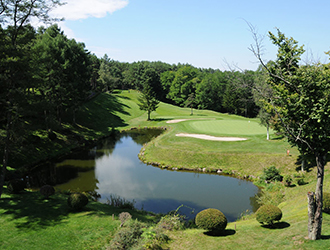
(113, 168)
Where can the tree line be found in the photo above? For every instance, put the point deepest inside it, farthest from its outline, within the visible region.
(183, 84)
(44, 76)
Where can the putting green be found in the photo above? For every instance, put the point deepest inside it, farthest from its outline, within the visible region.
(230, 127)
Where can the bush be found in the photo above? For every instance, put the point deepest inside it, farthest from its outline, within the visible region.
(267, 214)
(211, 219)
(117, 201)
(124, 216)
(47, 190)
(287, 180)
(16, 186)
(170, 222)
(326, 202)
(271, 174)
(77, 201)
(128, 235)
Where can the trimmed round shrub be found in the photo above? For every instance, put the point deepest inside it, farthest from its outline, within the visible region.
(77, 201)
(16, 186)
(211, 219)
(326, 202)
(47, 190)
(267, 214)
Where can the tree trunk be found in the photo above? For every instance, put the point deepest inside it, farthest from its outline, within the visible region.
(148, 115)
(267, 132)
(5, 155)
(315, 202)
(303, 162)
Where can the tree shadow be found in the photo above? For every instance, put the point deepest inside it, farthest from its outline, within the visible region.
(92, 114)
(31, 211)
(223, 233)
(278, 225)
(160, 119)
(325, 237)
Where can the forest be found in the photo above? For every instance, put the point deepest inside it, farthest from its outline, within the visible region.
(44, 74)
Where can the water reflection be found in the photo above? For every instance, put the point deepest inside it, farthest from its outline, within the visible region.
(113, 167)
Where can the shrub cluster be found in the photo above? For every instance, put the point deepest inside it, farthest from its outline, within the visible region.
(170, 222)
(124, 216)
(326, 202)
(211, 219)
(77, 201)
(128, 235)
(267, 214)
(271, 174)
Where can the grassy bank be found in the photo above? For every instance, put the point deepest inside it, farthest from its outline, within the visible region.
(30, 222)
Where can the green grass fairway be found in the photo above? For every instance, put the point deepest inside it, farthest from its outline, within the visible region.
(28, 221)
(227, 127)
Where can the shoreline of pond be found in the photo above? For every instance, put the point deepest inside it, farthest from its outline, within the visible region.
(89, 143)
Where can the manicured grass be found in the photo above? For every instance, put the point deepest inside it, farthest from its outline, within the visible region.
(30, 222)
(227, 127)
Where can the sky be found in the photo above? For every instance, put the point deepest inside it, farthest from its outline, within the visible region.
(203, 33)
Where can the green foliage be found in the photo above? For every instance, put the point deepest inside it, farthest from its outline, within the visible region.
(147, 100)
(271, 174)
(47, 190)
(287, 179)
(117, 201)
(326, 202)
(123, 217)
(211, 219)
(16, 186)
(300, 178)
(267, 214)
(271, 196)
(170, 222)
(152, 238)
(77, 201)
(128, 235)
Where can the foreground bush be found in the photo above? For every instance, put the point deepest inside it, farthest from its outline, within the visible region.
(267, 214)
(128, 235)
(47, 190)
(211, 219)
(326, 202)
(271, 174)
(77, 201)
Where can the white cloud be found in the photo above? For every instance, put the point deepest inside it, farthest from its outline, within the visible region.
(82, 9)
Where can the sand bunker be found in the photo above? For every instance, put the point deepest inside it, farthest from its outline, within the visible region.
(177, 120)
(211, 138)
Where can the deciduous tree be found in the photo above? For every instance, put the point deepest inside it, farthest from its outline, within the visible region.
(301, 100)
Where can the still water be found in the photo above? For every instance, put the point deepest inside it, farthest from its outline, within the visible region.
(113, 168)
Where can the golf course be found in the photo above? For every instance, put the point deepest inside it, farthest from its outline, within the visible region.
(204, 141)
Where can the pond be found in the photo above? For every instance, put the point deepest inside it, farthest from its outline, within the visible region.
(112, 168)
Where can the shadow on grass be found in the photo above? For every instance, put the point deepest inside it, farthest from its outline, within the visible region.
(103, 112)
(325, 237)
(31, 211)
(160, 119)
(224, 233)
(278, 225)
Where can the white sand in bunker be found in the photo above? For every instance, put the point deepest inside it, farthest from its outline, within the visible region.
(177, 120)
(211, 138)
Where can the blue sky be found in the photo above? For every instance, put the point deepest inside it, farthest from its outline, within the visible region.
(204, 33)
